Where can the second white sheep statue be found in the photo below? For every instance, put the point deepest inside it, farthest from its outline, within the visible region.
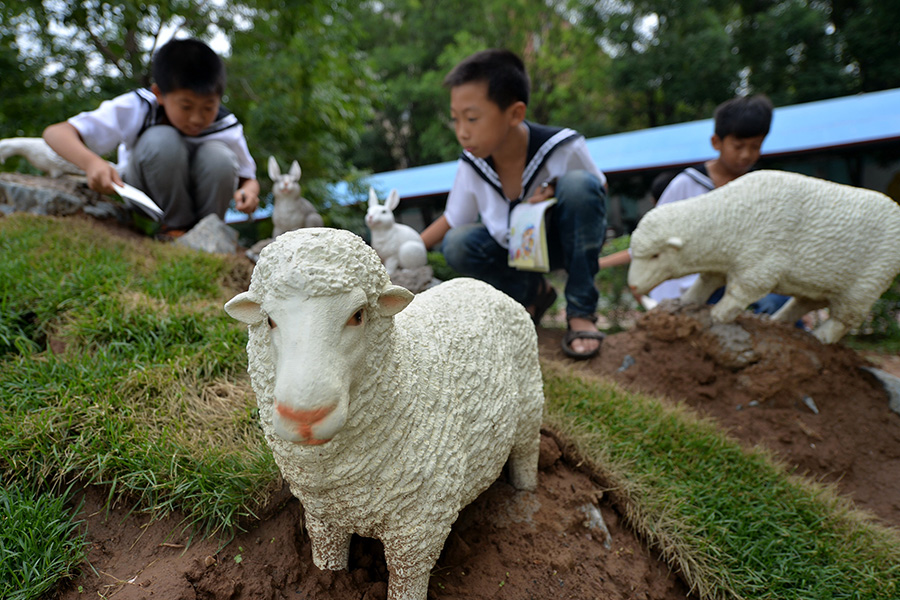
(386, 413)
(823, 243)
(399, 246)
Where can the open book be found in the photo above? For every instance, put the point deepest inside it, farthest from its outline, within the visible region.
(135, 198)
(528, 236)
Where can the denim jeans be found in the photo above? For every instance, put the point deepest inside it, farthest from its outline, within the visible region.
(575, 233)
(187, 181)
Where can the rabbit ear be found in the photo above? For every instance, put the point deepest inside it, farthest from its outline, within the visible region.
(295, 171)
(393, 200)
(274, 171)
(373, 198)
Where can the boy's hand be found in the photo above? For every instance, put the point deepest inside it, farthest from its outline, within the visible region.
(101, 176)
(245, 200)
(544, 192)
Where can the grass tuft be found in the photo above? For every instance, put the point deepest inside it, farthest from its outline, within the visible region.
(39, 541)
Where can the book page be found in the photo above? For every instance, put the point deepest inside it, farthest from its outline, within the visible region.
(138, 199)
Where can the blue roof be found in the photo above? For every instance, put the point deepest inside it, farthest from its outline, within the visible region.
(824, 124)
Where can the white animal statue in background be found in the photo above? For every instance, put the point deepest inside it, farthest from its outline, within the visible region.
(823, 243)
(37, 152)
(291, 210)
(386, 413)
(398, 245)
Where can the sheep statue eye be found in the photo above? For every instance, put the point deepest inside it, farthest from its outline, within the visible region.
(272, 324)
(356, 319)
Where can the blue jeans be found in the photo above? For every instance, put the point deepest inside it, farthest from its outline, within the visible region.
(575, 234)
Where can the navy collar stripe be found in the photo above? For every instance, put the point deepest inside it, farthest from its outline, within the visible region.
(542, 141)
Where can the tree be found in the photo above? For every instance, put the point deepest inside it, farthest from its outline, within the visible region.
(302, 89)
(426, 38)
(672, 61)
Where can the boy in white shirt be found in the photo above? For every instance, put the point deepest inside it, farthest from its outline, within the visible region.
(507, 160)
(175, 141)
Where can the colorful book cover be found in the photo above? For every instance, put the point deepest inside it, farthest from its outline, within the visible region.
(528, 236)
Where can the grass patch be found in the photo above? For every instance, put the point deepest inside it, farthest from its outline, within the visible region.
(119, 367)
(733, 522)
(39, 541)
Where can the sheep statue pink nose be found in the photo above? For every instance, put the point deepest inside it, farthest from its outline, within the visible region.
(421, 399)
(291, 423)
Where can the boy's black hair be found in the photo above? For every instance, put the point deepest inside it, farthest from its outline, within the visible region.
(744, 117)
(188, 65)
(503, 71)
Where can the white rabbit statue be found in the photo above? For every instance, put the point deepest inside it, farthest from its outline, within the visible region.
(291, 211)
(399, 246)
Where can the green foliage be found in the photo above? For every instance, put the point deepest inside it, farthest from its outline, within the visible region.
(441, 269)
(39, 541)
(732, 521)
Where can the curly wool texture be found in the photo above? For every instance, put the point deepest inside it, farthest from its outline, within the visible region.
(823, 243)
(449, 389)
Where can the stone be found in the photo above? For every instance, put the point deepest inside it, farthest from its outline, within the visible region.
(211, 235)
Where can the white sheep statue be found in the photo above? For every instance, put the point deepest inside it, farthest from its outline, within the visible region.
(39, 154)
(399, 246)
(291, 210)
(823, 243)
(386, 413)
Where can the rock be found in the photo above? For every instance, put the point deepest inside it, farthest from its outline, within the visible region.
(39, 201)
(211, 235)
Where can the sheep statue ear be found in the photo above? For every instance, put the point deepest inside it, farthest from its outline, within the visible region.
(373, 198)
(244, 308)
(393, 299)
(274, 170)
(675, 242)
(393, 200)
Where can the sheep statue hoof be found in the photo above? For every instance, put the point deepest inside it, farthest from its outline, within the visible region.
(386, 413)
(823, 243)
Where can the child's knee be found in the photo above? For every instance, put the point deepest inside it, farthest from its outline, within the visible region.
(162, 144)
(215, 159)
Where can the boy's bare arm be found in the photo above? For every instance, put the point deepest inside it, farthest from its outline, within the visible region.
(434, 233)
(65, 141)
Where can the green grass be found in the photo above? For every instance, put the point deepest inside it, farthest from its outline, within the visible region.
(733, 522)
(118, 367)
(39, 541)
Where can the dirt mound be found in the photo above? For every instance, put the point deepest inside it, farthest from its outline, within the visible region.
(504, 545)
(767, 384)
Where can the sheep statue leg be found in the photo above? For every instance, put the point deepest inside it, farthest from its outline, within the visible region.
(411, 554)
(735, 299)
(796, 307)
(703, 288)
(330, 545)
(523, 463)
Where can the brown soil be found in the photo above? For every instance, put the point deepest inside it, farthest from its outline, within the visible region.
(751, 377)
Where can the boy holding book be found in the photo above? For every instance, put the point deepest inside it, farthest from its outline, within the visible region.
(175, 141)
(506, 160)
